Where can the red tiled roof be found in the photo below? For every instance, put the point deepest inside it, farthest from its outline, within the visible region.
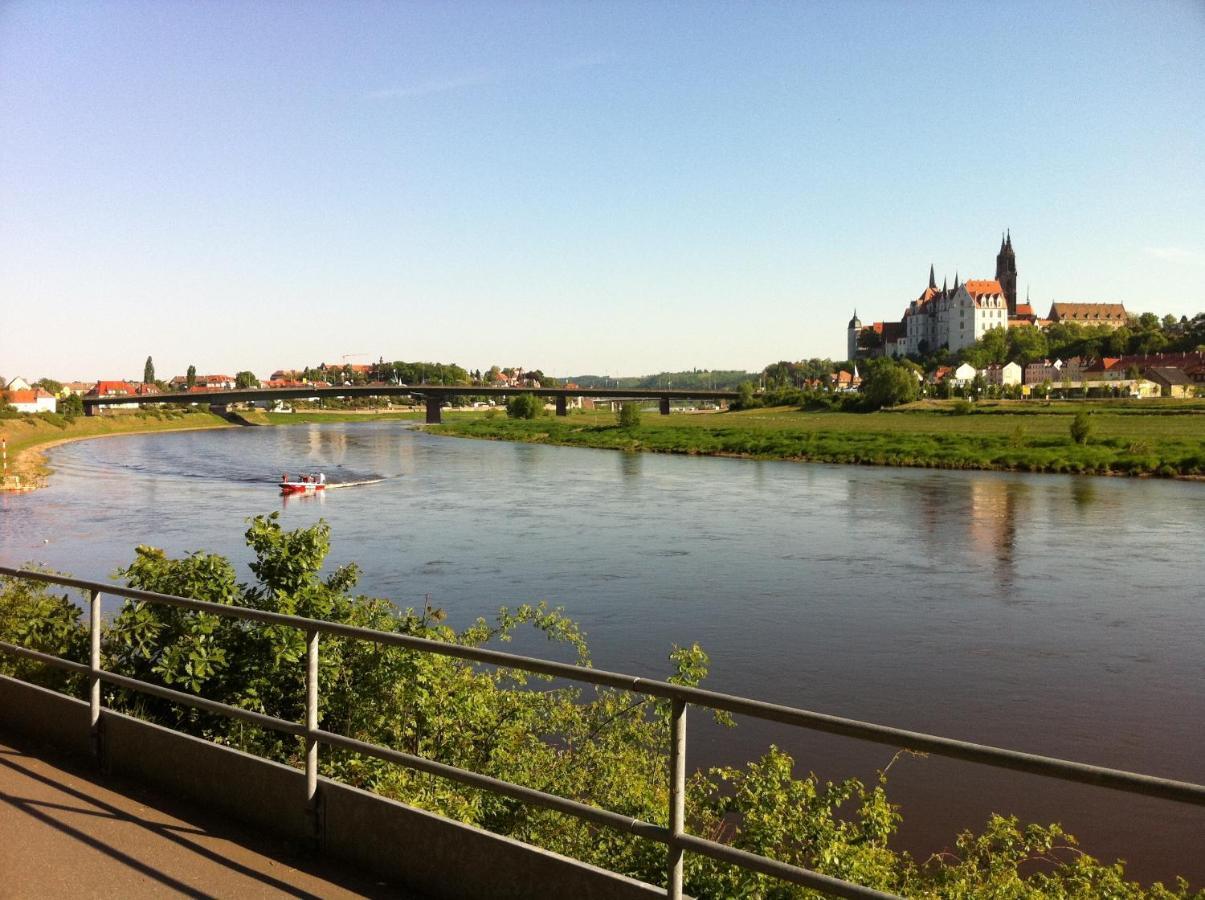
(1088, 312)
(30, 396)
(104, 388)
(978, 288)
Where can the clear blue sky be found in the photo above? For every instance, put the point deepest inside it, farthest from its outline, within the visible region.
(585, 187)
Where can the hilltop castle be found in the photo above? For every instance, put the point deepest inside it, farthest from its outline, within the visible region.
(955, 317)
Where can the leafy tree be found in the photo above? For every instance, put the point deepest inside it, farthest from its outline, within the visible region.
(524, 406)
(190, 379)
(246, 379)
(888, 383)
(628, 415)
(745, 397)
(1081, 427)
(48, 384)
(1026, 345)
(148, 372)
(71, 406)
(34, 616)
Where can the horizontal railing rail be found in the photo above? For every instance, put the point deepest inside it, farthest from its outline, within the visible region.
(675, 836)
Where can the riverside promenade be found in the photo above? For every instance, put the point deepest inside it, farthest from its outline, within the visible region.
(66, 831)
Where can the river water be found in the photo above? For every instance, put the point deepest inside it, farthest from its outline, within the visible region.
(1057, 615)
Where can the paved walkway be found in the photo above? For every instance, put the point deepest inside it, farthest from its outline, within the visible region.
(66, 831)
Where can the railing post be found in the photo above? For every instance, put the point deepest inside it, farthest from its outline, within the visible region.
(677, 797)
(311, 718)
(94, 672)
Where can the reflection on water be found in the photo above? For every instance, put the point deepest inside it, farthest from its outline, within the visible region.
(1036, 612)
(1083, 492)
(630, 467)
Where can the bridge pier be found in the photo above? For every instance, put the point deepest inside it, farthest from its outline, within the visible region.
(665, 406)
(562, 405)
(434, 408)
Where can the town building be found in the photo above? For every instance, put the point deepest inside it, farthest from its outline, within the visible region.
(1172, 382)
(956, 317)
(211, 382)
(76, 388)
(121, 389)
(1002, 375)
(30, 400)
(1111, 314)
(946, 317)
(963, 375)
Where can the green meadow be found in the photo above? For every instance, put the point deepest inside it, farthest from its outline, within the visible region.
(1162, 440)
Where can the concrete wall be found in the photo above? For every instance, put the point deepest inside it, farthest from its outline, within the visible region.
(406, 846)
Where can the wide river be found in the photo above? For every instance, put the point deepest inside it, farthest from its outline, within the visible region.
(1057, 615)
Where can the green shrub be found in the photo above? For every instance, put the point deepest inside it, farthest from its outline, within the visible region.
(524, 406)
(962, 408)
(1081, 427)
(628, 415)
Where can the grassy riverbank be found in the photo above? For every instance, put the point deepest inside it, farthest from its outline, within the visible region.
(1031, 439)
(29, 436)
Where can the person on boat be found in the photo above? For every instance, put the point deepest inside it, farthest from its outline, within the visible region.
(322, 478)
(284, 479)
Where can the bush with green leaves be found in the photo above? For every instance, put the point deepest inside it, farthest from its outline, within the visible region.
(889, 383)
(524, 406)
(628, 415)
(600, 746)
(1081, 427)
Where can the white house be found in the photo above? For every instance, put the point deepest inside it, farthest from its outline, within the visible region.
(964, 374)
(34, 400)
(19, 384)
(1009, 373)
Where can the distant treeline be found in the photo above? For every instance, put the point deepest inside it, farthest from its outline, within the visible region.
(720, 380)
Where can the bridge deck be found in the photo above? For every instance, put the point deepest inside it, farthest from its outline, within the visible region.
(66, 831)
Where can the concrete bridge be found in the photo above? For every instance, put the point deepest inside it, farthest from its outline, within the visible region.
(433, 395)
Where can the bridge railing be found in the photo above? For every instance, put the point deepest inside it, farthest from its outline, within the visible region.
(675, 836)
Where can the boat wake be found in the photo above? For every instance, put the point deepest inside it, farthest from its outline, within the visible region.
(345, 484)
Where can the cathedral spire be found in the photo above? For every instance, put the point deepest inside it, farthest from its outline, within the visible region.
(955, 280)
(944, 282)
(932, 278)
(1006, 272)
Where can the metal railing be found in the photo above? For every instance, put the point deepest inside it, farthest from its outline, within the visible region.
(675, 836)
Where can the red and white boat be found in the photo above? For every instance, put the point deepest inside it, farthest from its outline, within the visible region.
(308, 485)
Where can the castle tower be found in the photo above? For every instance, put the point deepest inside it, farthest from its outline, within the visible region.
(855, 326)
(1006, 271)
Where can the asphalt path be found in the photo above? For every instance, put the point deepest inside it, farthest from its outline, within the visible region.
(66, 831)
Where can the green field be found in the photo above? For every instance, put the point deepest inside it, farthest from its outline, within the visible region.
(1169, 441)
